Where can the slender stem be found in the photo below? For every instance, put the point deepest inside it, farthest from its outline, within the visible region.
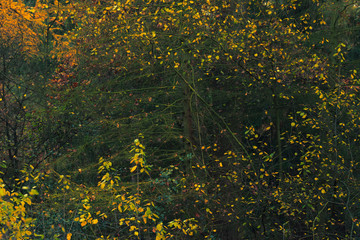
(317, 217)
(278, 139)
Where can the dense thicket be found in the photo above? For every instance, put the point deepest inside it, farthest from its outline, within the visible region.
(159, 119)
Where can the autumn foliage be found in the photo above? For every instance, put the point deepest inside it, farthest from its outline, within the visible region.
(159, 119)
(20, 25)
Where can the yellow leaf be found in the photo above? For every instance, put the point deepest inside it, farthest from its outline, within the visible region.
(86, 207)
(94, 221)
(27, 200)
(159, 237)
(68, 236)
(34, 192)
(2, 192)
(133, 168)
(159, 227)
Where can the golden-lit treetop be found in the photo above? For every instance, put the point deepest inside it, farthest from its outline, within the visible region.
(19, 24)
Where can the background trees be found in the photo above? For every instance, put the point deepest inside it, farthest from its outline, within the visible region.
(248, 112)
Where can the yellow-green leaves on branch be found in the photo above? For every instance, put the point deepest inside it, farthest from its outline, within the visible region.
(138, 160)
(15, 224)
